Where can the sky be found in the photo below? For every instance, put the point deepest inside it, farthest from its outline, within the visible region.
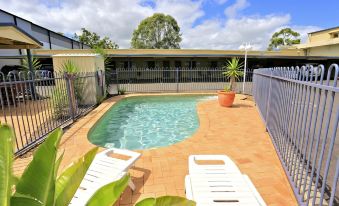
(205, 24)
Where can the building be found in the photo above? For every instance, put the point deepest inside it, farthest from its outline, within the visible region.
(322, 43)
(49, 39)
(194, 58)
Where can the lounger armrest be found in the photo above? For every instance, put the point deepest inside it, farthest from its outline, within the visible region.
(134, 156)
(223, 158)
(228, 163)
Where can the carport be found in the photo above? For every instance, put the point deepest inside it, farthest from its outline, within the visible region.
(12, 37)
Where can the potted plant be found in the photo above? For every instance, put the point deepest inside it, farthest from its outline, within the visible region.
(233, 72)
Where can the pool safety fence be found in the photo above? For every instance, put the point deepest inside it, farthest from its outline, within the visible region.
(300, 108)
(144, 80)
(36, 103)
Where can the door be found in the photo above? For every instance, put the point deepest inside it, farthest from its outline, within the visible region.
(166, 69)
(177, 65)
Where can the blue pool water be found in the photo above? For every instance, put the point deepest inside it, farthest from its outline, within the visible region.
(148, 121)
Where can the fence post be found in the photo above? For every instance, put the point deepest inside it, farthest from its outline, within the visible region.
(71, 95)
(117, 78)
(177, 78)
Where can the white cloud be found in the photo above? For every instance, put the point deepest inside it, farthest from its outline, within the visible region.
(186, 12)
(233, 32)
(220, 1)
(233, 10)
(118, 18)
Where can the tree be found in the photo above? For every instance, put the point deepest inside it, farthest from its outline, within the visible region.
(93, 40)
(159, 31)
(284, 37)
(35, 63)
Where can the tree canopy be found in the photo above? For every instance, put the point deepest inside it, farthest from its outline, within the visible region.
(159, 31)
(93, 40)
(284, 37)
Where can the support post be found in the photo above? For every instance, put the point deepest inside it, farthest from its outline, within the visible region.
(245, 67)
(117, 80)
(177, 78)
(31, 69)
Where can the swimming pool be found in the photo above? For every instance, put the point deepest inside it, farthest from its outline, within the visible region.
(148, 121)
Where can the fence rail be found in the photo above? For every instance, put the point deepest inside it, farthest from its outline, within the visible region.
(35, 104)
(176, 80)
(300, 107)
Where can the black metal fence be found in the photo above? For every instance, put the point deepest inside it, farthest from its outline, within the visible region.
(34, 104)
(176, 80)
(300, 107)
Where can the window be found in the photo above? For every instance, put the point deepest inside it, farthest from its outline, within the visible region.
(335, 35)
(192, 65)
(213, 64)
(151, 64)
(166, 68)
(127, 64)
(166, 64)
(177, 64)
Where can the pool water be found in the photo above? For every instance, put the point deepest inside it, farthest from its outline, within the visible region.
(148, 121)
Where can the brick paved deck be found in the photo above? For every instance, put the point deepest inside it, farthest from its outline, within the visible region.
(237, 132)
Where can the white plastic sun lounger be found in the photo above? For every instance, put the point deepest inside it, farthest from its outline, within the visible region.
(219, 185)
(103, 170)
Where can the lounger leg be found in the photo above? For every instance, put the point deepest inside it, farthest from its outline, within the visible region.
(131, 185)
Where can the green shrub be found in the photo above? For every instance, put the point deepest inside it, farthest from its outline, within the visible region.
(60, 103)
(70, 67)
(121, 91)
(39, 184)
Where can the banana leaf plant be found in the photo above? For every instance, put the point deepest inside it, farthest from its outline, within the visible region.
(35, 63)
(39, 184)
(166, 201)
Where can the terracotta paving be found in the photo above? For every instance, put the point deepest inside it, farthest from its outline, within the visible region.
(237, 132)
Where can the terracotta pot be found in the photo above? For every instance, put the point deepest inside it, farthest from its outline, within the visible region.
(226, 99)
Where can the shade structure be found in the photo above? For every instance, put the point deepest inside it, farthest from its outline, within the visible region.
(12, 37)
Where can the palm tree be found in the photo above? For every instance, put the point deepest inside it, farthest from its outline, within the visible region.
(35, 63)
(233, 71)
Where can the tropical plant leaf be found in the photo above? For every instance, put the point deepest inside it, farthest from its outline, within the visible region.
(15, 180)
(109, 194)
(35, 63)
(166, 201)
(70, 67)
(147, 202)
(233, 71)
(24, 200)
(6, 161)
(69, 181)
(57, 163)
(38, 179)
